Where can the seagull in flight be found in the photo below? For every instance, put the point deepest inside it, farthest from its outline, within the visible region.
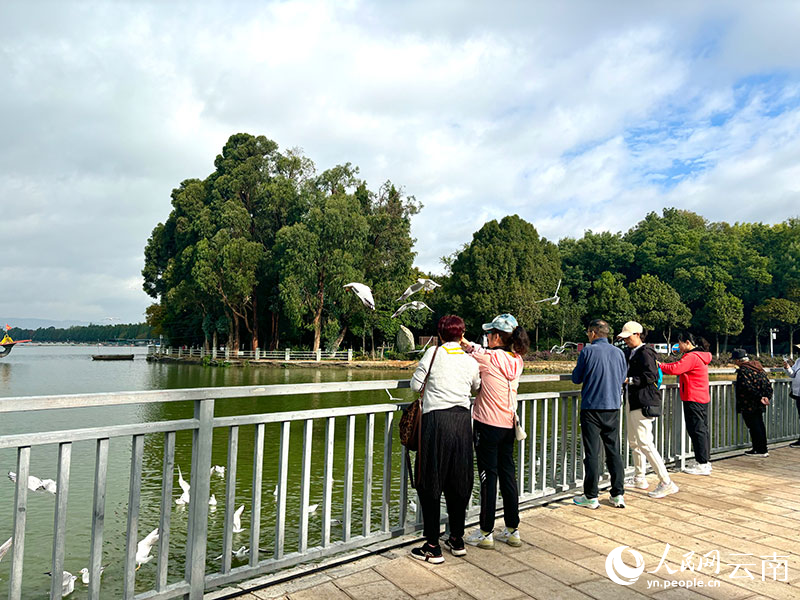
(5, 548)
(416, 305)
(237, 520)
(363, 292)
(554, 298)
(560, 349)
(143, 548)
(35, 484)
(422, 284)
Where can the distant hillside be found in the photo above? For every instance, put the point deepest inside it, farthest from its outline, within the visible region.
(39, 323)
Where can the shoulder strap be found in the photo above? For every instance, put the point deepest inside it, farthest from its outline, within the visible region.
(428, 374)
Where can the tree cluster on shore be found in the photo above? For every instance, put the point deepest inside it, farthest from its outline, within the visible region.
(257, 254)
(85, 334)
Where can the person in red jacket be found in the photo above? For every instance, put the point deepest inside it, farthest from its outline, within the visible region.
(692, 372)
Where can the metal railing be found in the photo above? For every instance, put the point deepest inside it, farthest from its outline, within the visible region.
(358, 480)
(226, 353)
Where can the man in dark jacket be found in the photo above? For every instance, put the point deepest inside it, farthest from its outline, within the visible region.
(601, 368)
(753, 393)
(644, 405)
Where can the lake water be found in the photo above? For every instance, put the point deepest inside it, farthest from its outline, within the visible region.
(43, 370)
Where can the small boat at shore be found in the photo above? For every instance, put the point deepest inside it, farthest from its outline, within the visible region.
(112, 356)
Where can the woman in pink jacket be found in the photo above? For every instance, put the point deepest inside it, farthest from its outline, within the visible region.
(493, 418)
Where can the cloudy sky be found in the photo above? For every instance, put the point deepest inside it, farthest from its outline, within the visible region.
(574, 115)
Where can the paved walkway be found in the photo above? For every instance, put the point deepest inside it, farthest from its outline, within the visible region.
(748, 511)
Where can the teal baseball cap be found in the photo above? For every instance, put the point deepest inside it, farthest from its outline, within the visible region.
(504, 322)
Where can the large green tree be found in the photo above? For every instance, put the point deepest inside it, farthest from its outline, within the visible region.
(506, 267)
(658, 305)
(609, 300)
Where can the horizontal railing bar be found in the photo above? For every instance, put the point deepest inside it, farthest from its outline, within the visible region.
(174, 590)
(302, 415)
(27, 403)
(93, 433)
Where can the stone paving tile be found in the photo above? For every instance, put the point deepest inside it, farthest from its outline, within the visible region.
(326, 591)
(358, 578)
(477, 582)
(736, 510)
(564, 570)
(602, 589)
(408, 574)
(453, 593)
(493, 562)
(385, 590)
(540, 586)
(279, 590)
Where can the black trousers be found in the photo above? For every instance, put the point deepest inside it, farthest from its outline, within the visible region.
(600, 429)
(797, 403)
(494, 452)
(696, 417)
(754, 420)
(445, 468)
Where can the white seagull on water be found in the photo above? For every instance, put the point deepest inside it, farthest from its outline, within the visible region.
(218, 470)
(85, 574)
(416, 305)
(422, 284)
(554, 298)
(363, 292)
(67, 582)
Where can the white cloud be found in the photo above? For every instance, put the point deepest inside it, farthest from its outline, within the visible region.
(570, 115)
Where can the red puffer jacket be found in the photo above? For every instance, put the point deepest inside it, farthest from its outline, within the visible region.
(692, 372)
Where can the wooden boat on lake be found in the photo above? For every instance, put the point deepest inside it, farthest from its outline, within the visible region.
(112, 356)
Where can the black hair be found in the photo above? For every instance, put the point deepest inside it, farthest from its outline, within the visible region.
(600, 327)
(643, 335)
(694, 340)
(516, 340)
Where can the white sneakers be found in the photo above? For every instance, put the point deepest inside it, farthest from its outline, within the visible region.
(663, 489)
(509, 537)
(638, 482)
(699, 469)
(486, 540)
(480, 539)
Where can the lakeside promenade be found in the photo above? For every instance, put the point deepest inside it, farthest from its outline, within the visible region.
(746, 510)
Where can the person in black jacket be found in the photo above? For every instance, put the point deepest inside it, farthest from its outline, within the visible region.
(753, 393)
(644, 405)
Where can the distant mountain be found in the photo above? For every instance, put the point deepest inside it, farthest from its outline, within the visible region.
(37, 323)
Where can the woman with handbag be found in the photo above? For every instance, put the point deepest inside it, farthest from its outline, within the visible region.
(495, 426)
(644, 405)
(446, 377)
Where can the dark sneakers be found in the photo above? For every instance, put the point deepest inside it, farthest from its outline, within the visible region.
(756, 454)
(456, 546)
(795, 444)
(428, 553)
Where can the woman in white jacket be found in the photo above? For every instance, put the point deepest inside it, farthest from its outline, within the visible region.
(792, 371)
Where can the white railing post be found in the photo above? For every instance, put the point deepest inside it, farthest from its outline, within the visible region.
(349, 355)
(227, 352)
(288, 355)
(258, 353)
(196, 542)
(319, 354)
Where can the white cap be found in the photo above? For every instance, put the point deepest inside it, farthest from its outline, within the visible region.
(629, 329)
